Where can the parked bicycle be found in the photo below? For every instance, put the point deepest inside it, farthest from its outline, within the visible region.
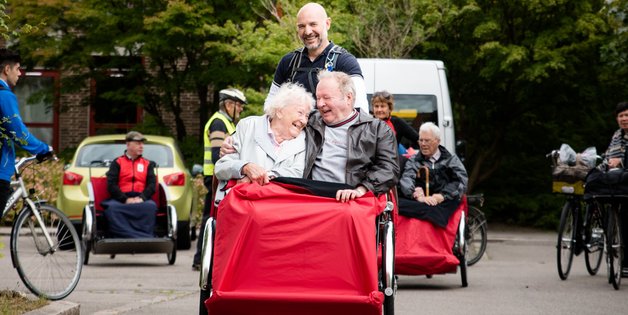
(576, 233)
(45, 247)
(477, 229)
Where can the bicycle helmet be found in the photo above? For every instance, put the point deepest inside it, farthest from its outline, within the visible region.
(232, 94)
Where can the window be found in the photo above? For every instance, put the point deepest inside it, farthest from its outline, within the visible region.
(116, 105)
(38, 102)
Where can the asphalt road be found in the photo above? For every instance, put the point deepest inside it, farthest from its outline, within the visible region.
(516, 276)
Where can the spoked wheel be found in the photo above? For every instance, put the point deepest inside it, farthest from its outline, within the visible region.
(595, 239)
(51, 272)
(476, 235)
(566, 241)
(614, 248)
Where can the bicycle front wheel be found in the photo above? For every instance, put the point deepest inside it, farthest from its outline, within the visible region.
(51, 272)
(566, 240)
(476, 235)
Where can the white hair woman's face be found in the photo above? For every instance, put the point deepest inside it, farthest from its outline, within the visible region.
(291, 119)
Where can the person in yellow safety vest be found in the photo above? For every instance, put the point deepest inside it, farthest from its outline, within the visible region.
(220, 125)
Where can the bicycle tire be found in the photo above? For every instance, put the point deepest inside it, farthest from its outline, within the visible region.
(51, 273)
(566, 240)
(595, 239)
(476, 235)
(614, 248)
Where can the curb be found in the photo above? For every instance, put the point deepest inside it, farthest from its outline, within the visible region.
(58, 308)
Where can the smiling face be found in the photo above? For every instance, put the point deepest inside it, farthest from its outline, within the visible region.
(622, 120)
(332, 104)
(312, 26)
(291, 119)
(381, 110)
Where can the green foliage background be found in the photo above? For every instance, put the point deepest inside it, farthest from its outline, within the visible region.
(525, 76)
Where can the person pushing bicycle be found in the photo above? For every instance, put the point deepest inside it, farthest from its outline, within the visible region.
(12, 128)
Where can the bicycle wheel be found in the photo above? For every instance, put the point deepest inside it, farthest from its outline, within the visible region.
(614, 248)
(476, 235)
(566, 240)
(51, 272)
(595, 239)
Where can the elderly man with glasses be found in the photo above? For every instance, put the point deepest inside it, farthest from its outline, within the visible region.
(437, 192)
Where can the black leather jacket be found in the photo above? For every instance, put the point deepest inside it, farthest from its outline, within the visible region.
(448, 176)
(372, 152)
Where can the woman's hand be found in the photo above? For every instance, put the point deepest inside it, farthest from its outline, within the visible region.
(345, 195)
(255, 173)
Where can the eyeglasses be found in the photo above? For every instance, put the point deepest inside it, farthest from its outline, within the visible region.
(425, 140)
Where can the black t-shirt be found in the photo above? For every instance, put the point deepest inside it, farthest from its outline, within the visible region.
(308, 70)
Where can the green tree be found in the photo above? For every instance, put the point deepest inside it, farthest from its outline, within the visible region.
(524, 78)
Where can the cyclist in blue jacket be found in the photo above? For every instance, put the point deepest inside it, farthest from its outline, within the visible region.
(12, 128)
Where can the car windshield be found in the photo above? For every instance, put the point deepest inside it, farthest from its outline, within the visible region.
(107, 152)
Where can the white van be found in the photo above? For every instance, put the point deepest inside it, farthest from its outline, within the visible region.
(419, 88)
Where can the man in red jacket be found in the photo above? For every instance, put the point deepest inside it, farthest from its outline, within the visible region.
(131, 182)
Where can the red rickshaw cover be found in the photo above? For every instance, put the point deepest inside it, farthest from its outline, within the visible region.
(280, 252)
(422, 248)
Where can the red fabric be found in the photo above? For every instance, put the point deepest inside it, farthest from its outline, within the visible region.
(99, 185)
(133, 174)
(277, 252)
(422, 248)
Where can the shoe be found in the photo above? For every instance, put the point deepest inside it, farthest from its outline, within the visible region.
(196, 267)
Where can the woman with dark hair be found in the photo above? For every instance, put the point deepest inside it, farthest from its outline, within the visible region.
(616, 153)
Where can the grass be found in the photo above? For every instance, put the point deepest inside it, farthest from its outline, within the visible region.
(12, 302)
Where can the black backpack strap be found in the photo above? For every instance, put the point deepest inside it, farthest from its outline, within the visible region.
(295, 62)
(330, 64)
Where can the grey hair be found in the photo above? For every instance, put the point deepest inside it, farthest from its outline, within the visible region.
(289, 94)
(432, 128)
(345, 84)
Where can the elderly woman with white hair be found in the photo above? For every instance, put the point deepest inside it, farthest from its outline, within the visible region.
(271, 145)
(434, 197)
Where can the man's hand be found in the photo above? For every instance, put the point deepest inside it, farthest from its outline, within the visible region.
(255, 173)
(227, 147)
(432, 200)
(134, 200)
(418, 193)
(345, 195)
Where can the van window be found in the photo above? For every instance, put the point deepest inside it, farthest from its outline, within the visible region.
(415, 109)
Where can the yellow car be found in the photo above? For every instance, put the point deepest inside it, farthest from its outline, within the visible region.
(92, 158)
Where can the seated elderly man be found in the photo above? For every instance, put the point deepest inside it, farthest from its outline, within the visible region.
(347, 146)
(435, 195)
(131, 182)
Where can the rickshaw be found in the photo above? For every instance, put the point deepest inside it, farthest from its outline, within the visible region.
(289, 248)
(95, 240)
(424, 249)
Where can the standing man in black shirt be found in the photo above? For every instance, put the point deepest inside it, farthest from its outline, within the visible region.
(302, 65)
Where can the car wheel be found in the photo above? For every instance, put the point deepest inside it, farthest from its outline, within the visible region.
(183, 235)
